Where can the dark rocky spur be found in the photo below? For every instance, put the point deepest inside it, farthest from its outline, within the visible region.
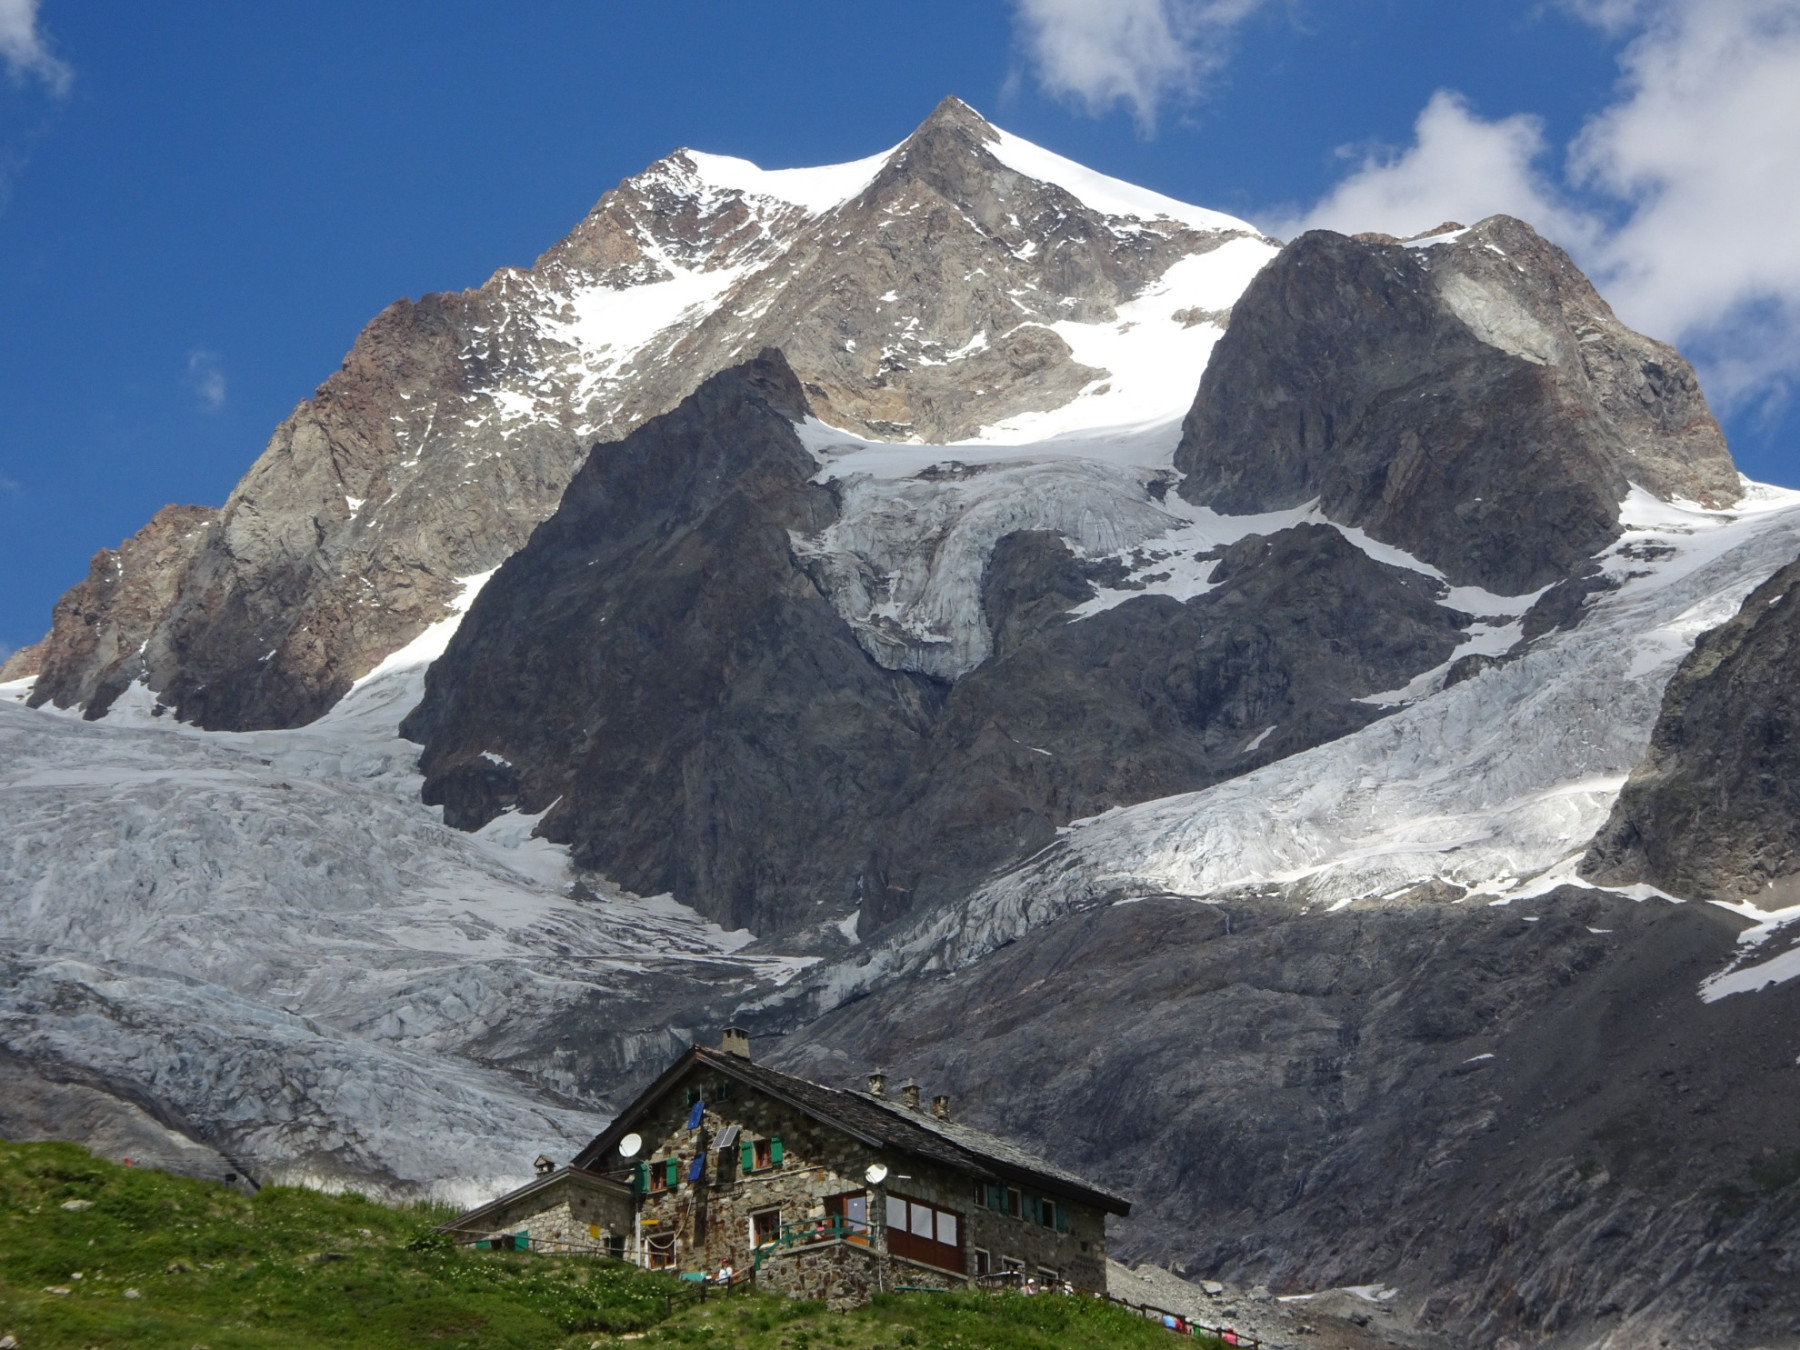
(1469, 398)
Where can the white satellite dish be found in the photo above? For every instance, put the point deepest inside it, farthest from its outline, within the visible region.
(876, 1174)
(631, 1145)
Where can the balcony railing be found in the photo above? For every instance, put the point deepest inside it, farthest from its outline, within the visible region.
(813, 1233)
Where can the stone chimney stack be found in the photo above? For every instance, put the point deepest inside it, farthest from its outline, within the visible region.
(878, 1084)
(940, 1106)
(735, 1041)
(909, 1095)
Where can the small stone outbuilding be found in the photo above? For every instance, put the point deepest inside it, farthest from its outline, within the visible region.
(724, 1165)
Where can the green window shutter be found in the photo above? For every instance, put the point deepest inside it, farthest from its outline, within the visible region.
(775, 1150)
(640, 1179)
(673, 1172)
(1062, 1219)
(747, 1155)
(995, 1200)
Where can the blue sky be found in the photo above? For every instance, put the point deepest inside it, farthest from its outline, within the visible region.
(201, 204)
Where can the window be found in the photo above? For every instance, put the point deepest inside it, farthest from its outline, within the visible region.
(1014, 1203)
(758, 1155)
(662, 1250)
(984, 1263)
(850, 1213)
(1047, 1214)
(765, 1227)
(659, 1174)
(1048, 1276)
(1011, 1265)
(924, 1233)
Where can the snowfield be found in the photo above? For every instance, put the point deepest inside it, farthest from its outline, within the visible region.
(1494, 785)
(269, 934)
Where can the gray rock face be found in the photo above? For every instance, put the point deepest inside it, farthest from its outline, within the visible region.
(655, 665)
(1532, 1129)
(102, 624)
(39, 1102)
(657, 669)
(920, 307)
(1473, 402)
(1713, 812)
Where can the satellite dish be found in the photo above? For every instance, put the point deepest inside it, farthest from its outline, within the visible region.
(876, 1174)
(631, 1145)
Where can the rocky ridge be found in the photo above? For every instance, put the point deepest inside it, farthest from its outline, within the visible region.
(658, 675)
(952, 281)
(1337, 1010)
(1467, 397)
(1713, 811)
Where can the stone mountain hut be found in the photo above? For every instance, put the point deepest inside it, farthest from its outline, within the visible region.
(723, 1164)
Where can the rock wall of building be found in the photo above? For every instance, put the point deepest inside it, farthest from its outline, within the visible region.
(568, 1217)
(711, 1219)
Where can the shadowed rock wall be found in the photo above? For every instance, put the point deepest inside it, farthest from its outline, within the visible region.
(1473, 402)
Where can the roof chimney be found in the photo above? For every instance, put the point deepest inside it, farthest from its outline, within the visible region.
(878, 1084)
(940, 1106)
(544, 1165)
(735, 1041)
(909, 1095)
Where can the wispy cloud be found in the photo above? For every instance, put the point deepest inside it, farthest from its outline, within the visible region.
(1679, 197)
(1138, 54)
(25, 50)
(207, 379)
(1459, 167)
(10, 487)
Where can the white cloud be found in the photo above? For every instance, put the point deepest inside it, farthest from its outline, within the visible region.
(24, 50)
(207, 378)
(1139, 54)
(1704, 146)
(1459, 167)
(1680, 198)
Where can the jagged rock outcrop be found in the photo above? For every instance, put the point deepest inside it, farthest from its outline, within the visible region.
(916, 294)
(655, 667)
(1469, 398)
(96, 646)
(658, 670)
(23, 664)
(1713, 812)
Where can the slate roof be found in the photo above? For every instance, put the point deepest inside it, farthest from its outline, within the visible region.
(563, 1176)
(878, 1122)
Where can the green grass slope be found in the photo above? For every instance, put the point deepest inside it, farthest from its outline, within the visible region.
(97, 1255)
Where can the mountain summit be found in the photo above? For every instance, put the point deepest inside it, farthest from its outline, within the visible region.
(965, 280)
(960, 612)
